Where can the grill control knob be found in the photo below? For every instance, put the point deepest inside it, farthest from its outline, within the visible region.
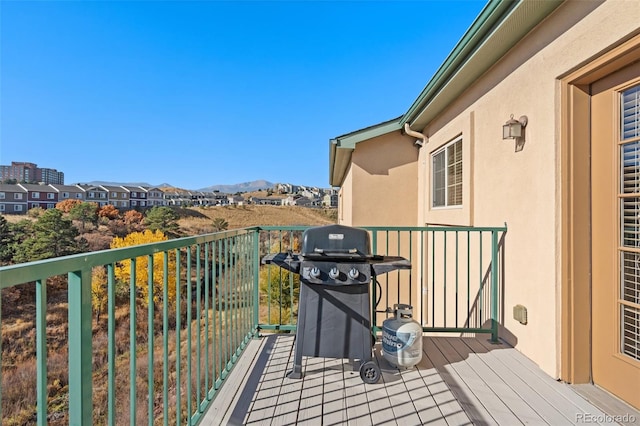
(315, 272)
(353, 273)
(333, 273)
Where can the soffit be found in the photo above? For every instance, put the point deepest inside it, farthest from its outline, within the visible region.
(503, 29)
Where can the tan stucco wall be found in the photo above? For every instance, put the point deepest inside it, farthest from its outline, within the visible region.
(384, 182)
(521, 186)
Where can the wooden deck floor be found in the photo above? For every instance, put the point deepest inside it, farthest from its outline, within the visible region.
(460, 381)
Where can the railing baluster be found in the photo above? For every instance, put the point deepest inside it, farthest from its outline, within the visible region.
(256, 277)
(150, 339)
(80, 348)
(41, 351)
(178, 341)
(457, 279)
(494, 286)
(206, 319)
(133, 354)
(189, 336)
(214, 314)
(165, 338)
(111, 349)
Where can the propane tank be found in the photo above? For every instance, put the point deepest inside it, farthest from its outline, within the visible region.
(402, 338)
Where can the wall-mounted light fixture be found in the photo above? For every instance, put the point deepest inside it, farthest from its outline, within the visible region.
(513, 129)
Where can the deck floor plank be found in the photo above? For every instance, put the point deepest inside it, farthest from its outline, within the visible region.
(310, 410)
(560, 410)
(476, 412)
(482, 364)
(266, 397)
(552, 387)
(288, 405)
(471, 370)
(356, 402)
(459, 381)
(333, 398)
(404, 410)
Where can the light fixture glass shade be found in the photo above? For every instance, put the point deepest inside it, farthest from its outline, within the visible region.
(512, 129)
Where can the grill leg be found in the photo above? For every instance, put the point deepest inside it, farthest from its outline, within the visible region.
(296, 372)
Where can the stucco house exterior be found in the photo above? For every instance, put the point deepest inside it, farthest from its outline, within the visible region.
(568, 188)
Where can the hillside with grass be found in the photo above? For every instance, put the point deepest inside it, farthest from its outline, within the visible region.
(197, 220)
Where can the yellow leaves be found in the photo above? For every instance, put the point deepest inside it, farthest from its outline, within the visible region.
(99, 289)
(124, 269)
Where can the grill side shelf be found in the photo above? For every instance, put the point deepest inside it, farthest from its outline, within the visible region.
(384, 264)
(288, 261)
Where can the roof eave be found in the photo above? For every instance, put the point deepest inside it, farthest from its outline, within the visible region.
(505, 23)
(341, 147)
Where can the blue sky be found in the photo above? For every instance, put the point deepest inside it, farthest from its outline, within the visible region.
(200, 93)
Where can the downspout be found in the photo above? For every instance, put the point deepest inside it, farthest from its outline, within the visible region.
(422, 139)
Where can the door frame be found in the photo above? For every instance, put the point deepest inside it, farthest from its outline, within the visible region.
(574, 168)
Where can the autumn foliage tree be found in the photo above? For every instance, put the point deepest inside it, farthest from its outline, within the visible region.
(133, 220)
(108, 211)
(66, 205)
(123, 269)
(99, 294)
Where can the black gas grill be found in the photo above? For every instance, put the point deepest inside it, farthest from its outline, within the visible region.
(334, 312)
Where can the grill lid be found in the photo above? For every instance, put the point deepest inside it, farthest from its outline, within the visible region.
(337, 242)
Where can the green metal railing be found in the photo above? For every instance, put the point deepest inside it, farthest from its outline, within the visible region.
(179, 313)
(455, 283)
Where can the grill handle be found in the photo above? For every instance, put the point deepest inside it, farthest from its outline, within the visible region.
(335, 251)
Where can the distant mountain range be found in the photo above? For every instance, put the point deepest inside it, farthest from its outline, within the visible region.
(256, 185)
(228, 189)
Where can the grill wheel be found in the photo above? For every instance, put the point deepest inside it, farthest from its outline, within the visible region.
(369, 372)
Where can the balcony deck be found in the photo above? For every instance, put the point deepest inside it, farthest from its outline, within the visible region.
(460, 381)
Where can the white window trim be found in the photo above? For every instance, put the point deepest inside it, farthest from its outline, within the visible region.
(446, 186)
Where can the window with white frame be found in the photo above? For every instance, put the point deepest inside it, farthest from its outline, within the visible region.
(51, 196)
(446, 175)
(35, 195)
(17, 208)
(65, 195)
(2, 207)
(2, 195)
(17, 196)
(51, 205)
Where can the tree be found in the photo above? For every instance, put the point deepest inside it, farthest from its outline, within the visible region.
(85, 212)
(133, 221)
(123, 269)
(219, 224)
(66, 205)
(163, 219)
(279, 285)
(35, 212)
(109, 211)
(99, 294)
(51, 235)
(6, 241)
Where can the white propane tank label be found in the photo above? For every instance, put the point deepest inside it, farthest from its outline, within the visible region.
(393, 341)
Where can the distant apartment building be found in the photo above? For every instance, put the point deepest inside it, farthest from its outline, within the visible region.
(42, 196)
(23, 172)
(13, 199)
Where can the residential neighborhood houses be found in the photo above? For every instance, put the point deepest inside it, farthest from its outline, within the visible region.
(20, 197)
